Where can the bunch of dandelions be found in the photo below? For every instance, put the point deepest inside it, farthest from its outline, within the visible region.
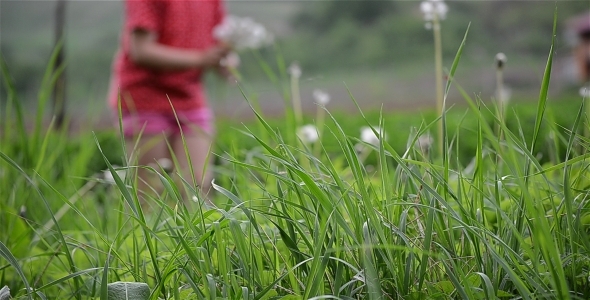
(242, 33)
(435, 11)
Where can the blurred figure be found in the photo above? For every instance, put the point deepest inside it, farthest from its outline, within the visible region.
(166, 46)
(581, 26)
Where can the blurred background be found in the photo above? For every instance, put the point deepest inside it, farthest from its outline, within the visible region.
(379, 50)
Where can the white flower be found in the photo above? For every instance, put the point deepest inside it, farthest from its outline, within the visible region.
(308, 133)
(585, 92)
(424, 143)
(369, 137)
(294, 70)
(321, 97)
(108, 176)
(231, 60)
(434, 8)
(501, 60)
(242, 33)
(166, 164)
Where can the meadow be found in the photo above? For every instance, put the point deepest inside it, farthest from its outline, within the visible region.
(500, 210)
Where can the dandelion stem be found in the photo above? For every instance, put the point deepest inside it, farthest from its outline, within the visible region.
(296, 101)
(500, 100)
(320, 119)
(439, 77)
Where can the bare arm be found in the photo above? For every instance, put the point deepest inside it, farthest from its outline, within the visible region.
(146, 51)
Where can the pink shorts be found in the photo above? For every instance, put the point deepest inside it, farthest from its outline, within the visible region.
(149, 122)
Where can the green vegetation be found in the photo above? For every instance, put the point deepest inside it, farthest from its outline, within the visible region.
(502, 212)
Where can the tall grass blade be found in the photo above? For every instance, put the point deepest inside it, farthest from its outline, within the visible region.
(60, 234)
(6, 254)
(544, 88)
(456, 61)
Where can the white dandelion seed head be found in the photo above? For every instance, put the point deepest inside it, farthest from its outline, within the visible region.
(321, 97)
(369, 137)
(166, 164)
(427, 9)
(501, 60)
(231, 60)
(585, 92)
(108, 177)
(432, 9)
(242, 33)
(424, 142)
(308, 133)
(294, 70)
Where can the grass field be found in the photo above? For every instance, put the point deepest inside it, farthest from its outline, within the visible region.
(501, 211)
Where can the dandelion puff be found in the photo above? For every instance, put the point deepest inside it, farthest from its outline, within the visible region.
(501, 60)
(432, 9)
(321, 97)
(424, 143)
(108, 176)
(166, 164)
(308, 134)
(369, 137)
(427, 9)
(294, 70)
(242, 33)
(5, 293)
(585, 92)
(231, 60)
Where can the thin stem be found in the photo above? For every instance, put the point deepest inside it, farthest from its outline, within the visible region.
(439, 78)
(500, 98)
(320, 119)
(586, 97)
(296, 101)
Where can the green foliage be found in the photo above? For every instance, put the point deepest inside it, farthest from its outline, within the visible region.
(491, 218)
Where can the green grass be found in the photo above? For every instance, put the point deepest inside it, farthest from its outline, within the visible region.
(491, 218)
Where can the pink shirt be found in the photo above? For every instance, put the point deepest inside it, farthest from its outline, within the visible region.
(178, 23)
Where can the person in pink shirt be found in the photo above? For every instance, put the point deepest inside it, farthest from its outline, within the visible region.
(166, 46)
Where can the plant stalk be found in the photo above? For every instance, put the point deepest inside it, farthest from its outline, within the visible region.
(439, 78)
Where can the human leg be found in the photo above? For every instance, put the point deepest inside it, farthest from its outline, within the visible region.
(146, 143)
(193, 153)
(195, 157)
